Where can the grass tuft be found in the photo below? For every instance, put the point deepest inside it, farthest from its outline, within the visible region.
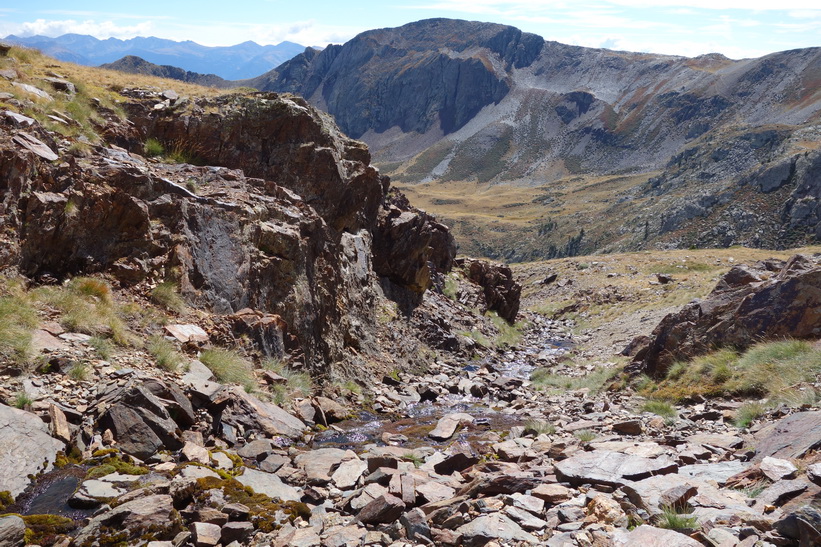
(229, 367)
(595, 381)
(673, 520)
(585, 435)
(153, 148)
(297, 384)
(17, 319)
(79, 372)
(166, 294)
(164, 352)
(22, 400)
(749, 412)
(660, 408)
(540, 427)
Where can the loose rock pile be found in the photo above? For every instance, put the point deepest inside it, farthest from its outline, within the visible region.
(178, 459)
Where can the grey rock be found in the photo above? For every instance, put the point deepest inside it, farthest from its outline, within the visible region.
(34, 145)
(780, 493)
(494, 526)
(776, 469)
(386, 508)
(154, 514)
(610, 468)
(415, 524)
(268, 484)
(236, 531)
(552, 493)
(204, 534)
(319, 464)
(92, 493)
(649, 536)
(629, 427)
(243, 409)
(791, 437)
(26, 448)
(348, 473)
(12, 531)
(718, 471)
(448, 424)
(526, 520)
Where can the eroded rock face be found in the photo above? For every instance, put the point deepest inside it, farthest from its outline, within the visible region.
(767, 301)
(289, 231)
(500, 292)
(26, 448)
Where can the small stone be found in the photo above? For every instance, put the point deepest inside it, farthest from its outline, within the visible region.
(776, 469)
(204, 534)
(629, 427)
(194, 453)
(384, 509)
(448, 425)
(236, 531)
(552, 493)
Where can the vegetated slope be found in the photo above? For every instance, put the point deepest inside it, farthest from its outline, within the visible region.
(444, 101)
(243, 60)
(136, 65)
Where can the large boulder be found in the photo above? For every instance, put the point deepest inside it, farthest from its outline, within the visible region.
(26, 448)
(770, 300)
(500, 292)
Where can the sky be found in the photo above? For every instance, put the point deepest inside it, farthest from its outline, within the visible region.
(735, 28)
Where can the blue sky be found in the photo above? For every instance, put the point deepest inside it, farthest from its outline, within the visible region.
(681, 27)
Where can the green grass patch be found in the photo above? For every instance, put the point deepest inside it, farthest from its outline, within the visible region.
(595, 381)
(748, 413)
(17, 319)
(86, 305)
(78, 371)
(297, 384)
(584, 435)
(509, 335)
(165, 353)
(103, 346)
(167, 295)
(229, 367)
(22, 400)
(671, 519)
(768, 369)
(153, 148)
(539, 427)
(660, 408)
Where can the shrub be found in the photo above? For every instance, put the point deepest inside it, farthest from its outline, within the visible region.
(153, 148)
(229, 367)
(22, 400)
(747, 413)
(78, 371)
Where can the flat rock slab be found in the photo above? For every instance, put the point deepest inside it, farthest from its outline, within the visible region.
(243, 409)
(448, 425)
(789, 438)
(650, 536)
(26, 448)
(34, 145)
(187, 333)
(268, 484)
(718, 471)
(727, 442)
(320, 464)
(494, 526)
(610, 468)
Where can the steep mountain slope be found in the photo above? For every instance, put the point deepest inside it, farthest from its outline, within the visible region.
(446, 101)
(244, 60)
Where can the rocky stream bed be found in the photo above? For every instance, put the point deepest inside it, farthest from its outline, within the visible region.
(468, 453)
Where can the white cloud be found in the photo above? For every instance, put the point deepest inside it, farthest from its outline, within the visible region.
(499, 7)
(98, 29)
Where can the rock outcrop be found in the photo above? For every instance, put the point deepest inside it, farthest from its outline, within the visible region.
(285, 223)
(770, 300)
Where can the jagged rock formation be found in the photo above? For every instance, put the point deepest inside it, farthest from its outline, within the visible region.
(770, 300)
(286, 228)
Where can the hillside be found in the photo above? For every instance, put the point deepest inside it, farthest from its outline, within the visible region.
(221, 325)
(136, 65)
(610, 142)
(244, 60)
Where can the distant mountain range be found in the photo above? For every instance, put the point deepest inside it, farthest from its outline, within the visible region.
(240, 61)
